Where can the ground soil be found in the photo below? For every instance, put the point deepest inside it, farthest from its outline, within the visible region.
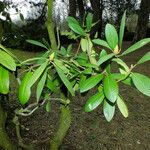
(90, 131)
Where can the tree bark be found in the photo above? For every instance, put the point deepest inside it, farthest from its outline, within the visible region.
(72, 8)
(143, 19)
(97, 16)
(81, 9)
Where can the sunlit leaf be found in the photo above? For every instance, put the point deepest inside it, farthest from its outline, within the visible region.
(37, 43)
(122, 27)
(90, 82)
(7, 61)
(111, 36)
(145, 58)
(84, 44)
(122, 107)
(142, 83)
(108, 111)
(24, 89)
(101, 42)
(4, 80)
(111, 89)
(136, 46)
(40, 85)
(94, 101)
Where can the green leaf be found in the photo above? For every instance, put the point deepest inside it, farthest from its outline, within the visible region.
(38, 72)
(102, 53)
(90, 82)
(84, 44)
(94, 101)
(65, 80)
(7, 61)
(111, 36)
(122, 27)
(142, 83)
(104, 59)
(121, 63)
(50, 84)
(101, 42)
(24, 89)
(72, 20)
(145, 58)
(108, 111)
(77, 29)
(136, 46)
(110, 88)
(48, 106)
(122, 107)
(37, 43)
(40, 86)
(89, 20)
(4, 80)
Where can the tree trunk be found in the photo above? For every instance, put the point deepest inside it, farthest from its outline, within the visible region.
(143, 19)
(97, 16)
(5, 142)
(72, 8)
(81, 9)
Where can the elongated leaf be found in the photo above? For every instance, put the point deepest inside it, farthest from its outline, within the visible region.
(90, 82)
(94, 101)
(142, 83)
(111, 36)
(72, 20)
(145, 58)
(77, 29)
(50, 84)
(65, 80)
(108, 111)
(104, 59)
(38, 72)
(122, 107)
(121, 63)
(111, 88)
(84, 44)
(89, 19)
(122, 27)
(102, 53)
(37, 43)
(40, 86)
(101, 42)
(7, 61)
(24, 89)
(4, 80)
(48, 106)
(136, 46)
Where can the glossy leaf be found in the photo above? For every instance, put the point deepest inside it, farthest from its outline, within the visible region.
(90, 82)
(77, 29)
(37, 73)
(122, 107)
(89, 19)
(111, 36)
(4, 80)
(48, 106)
(101, 42)
(145, 58)
(136, 46)
(24, 89)
(37, 43)
(102, 53)
(110, 88)
(40, 86)
(104, 59)
(72, 20)
(142, 83)
(122, 27)
(65, 80)
(108, 111)
(7, 61)
(94, 101)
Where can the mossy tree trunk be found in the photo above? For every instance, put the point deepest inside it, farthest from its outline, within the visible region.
(5, 142)
(65, 114)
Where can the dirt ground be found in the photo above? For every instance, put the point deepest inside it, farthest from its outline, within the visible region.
(90, 131)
